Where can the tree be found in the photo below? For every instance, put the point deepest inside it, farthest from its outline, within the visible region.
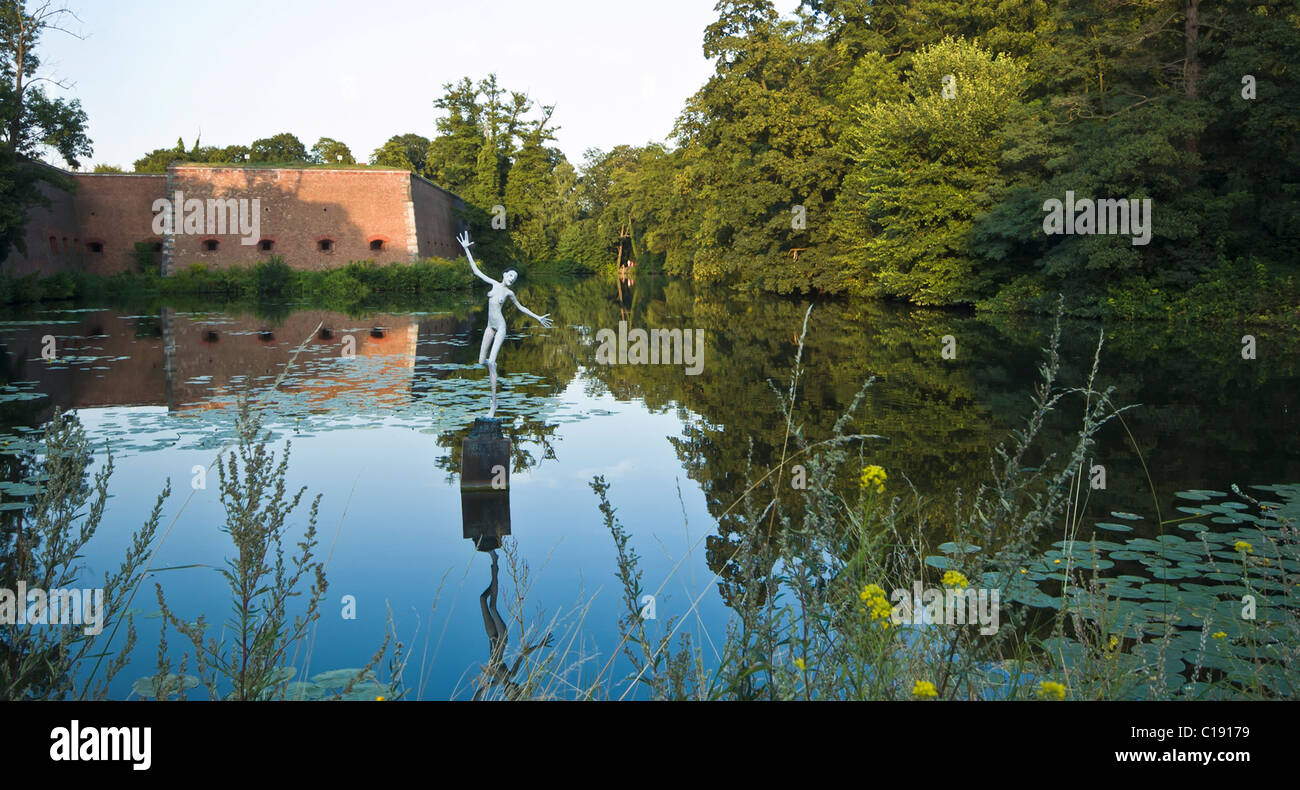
(758, 163)
(30, 119)
(453, 153)
(404, 152)
(282, 148)
(531, 196)
(924, 171)
(158, 160)
(331, 152)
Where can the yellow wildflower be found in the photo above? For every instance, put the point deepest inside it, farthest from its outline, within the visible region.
(799, 662)
(1218, 635)
(877, 605)
(924, 689)
(1048, 689)
(955, 579)
(379, 699)
(1242, 545)
(873, 477)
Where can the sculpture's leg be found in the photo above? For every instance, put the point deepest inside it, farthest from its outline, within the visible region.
(496, 345)
(500, 336)
(496, 633)
(488, 335)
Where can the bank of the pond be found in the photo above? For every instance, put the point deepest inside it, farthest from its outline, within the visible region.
(272, 279)
(1230, 292)
(1263, 297)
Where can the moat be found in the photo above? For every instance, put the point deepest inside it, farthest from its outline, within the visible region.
(376, 405)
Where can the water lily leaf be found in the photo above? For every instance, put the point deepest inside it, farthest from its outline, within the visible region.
(149, 688)
(338, 678)
(1126, 555)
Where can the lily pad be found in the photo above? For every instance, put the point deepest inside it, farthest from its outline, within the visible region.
(150, 688)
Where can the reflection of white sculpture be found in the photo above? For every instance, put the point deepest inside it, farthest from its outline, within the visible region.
(496, 328)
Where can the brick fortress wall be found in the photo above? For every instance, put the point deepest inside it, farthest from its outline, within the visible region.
(314, 218)
(94, 227)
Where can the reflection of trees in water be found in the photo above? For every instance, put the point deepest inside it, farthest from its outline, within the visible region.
(1206, 414)
(18, 544)
(942, 417)
(530, 433)
(15, 467)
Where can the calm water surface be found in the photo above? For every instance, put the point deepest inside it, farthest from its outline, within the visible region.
(379, 435)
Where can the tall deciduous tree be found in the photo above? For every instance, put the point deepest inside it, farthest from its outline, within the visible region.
(329, 151)
(403, 151)
(283, 147)
(29, 118)
(924, 171)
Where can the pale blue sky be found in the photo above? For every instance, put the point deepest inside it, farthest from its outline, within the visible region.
(148, 72)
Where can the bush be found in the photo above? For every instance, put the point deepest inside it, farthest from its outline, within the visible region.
(272, 277)
(146, 260)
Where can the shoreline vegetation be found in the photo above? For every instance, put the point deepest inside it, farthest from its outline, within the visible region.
(1086, 619)
(270, 280)
(1261, 299)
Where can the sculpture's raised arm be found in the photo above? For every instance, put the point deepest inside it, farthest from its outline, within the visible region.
(544, 320)
(466, 243)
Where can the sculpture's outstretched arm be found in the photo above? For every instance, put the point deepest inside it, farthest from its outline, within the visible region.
(466, 243)
(544, 320)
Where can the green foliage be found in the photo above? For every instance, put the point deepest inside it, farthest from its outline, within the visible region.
(272, 276)
(283, 147)
(756, 151)
(259, 638)
(272, 280)
(30, 119)
(840, 110)
(924, 171)
(328, 151)
(145, 257)
(403, 152)
(43, 548)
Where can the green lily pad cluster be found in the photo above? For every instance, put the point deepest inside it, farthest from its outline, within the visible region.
(1209, 609)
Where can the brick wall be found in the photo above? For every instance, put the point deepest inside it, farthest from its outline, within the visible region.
(315, 218)
(114, 213)
(52, 237)
(436, 224)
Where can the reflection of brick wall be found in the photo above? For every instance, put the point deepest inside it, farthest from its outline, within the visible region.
(98, 226)
(84, 376)
(207, 361)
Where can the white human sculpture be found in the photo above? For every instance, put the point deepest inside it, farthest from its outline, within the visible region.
(496, 328)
